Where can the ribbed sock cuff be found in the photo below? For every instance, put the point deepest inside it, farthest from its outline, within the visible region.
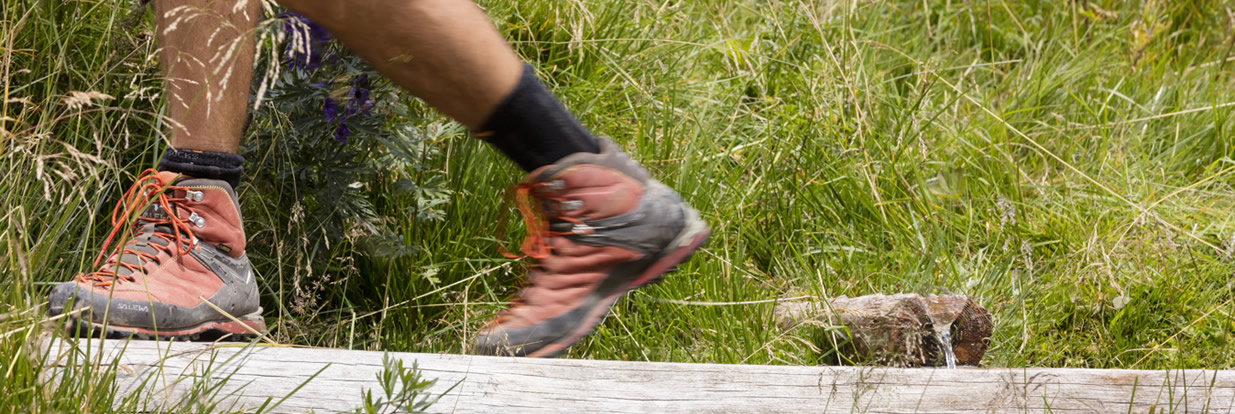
(202, 164)
(533, 129)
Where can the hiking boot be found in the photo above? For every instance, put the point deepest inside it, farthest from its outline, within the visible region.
(187, 249)
(605, 228)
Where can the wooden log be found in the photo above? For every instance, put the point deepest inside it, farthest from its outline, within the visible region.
(900, 330)
(247, 376)
(970, 325)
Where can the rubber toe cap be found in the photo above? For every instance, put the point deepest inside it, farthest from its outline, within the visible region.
(60, 297)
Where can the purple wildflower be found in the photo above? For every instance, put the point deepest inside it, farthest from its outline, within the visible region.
(361, 82)
(330, 110)
(358, 95)
(341, 132)
(338, 111)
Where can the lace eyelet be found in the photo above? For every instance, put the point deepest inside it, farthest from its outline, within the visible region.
(555, 185)
(195, 196)
(197, 220)
(570, 205)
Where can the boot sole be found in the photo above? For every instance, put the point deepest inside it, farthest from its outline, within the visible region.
(222, 330)
(690, 239)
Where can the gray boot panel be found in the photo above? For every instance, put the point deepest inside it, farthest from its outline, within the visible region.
(140, 313)
(648, 229)
(237, 297)
(522, 341)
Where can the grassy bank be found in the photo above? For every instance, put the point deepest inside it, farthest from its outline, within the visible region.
(1068, 164)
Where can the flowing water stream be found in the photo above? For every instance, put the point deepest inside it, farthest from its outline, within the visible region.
(944, 335)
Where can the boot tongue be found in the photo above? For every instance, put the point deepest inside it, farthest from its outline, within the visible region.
(543, 174)
(156, 211)
(610, 156)
(143, 242)
(152, 220)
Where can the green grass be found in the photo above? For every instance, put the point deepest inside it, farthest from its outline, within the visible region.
(1068, 164)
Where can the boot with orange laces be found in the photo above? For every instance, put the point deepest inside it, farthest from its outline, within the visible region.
(182, 275)
(610, 229)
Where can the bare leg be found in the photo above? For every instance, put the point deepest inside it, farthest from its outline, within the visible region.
(208, 61)
(444, 51)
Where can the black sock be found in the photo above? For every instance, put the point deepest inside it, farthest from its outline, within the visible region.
(202, 164)
(533, 129)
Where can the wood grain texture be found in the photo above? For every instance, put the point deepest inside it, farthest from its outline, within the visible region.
(498, 384)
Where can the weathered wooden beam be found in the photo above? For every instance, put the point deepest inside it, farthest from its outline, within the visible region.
(497, 384)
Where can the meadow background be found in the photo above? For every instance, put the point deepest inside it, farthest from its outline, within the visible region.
(1069, 164)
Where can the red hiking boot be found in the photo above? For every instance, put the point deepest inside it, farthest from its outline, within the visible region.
(187, 248)
(610, 229)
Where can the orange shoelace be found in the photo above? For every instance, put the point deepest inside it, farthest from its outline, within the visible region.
(535, 218)
(536, 245)
(149, 188)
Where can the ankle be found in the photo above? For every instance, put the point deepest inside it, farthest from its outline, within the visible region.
(533, 129)
(204, 164)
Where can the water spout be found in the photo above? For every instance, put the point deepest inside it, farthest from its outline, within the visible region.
(943, 333)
